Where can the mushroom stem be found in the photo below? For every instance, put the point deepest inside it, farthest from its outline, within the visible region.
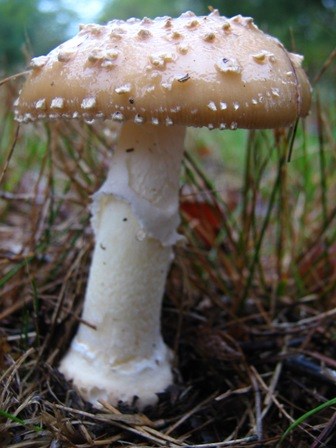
(135, 213)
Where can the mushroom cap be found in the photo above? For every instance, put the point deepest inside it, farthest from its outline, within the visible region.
(193, 71)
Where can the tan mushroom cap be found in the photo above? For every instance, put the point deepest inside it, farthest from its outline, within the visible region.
(194, 71)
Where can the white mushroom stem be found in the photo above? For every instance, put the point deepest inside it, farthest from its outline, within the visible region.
(121, 355)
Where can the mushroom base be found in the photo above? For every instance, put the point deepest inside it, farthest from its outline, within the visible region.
(136, 384)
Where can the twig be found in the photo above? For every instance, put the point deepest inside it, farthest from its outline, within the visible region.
(248, 439)
(259, 415)
(145, 430)
(274, 399)
(10, 153)
(325, 66)
(330, 426)
(11, 78)
(187, 415)
(306, 321)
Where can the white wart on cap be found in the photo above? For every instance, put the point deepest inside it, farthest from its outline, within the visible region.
(193, 71)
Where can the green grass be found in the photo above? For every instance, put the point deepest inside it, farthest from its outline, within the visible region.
(305, 417)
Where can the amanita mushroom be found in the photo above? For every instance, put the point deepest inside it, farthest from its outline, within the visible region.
(156, 77)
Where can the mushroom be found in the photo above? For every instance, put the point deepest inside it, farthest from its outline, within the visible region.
(155, 77)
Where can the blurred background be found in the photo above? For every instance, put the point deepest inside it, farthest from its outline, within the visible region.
(33, 27)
